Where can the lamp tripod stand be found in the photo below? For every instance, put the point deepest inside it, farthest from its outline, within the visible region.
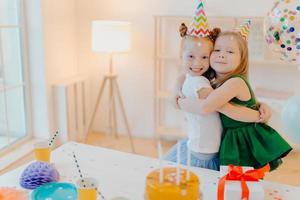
(114, 94)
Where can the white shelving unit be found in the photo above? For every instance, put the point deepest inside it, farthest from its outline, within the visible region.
(168, 121)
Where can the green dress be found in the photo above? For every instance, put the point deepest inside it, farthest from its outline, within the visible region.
(250, 144)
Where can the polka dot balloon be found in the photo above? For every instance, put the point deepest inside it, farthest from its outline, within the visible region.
(282, 29)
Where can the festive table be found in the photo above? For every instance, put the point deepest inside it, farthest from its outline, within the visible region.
(123, 174)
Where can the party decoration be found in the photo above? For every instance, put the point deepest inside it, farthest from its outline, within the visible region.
(77, 166)
(282, 29)
(199, 25)
(7, 193)
(241, 183)
(57, 191)
(244, 29)
(37, 174)
(290, 118)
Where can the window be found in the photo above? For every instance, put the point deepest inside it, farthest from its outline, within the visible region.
(13, 115)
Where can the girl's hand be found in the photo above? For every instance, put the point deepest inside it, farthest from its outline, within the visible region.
(175, 99)
(179, 102)
(265, 113)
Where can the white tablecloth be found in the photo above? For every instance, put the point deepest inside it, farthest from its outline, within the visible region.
(123, 174)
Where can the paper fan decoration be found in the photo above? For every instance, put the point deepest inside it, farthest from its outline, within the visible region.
(37, 174)
(244, 29)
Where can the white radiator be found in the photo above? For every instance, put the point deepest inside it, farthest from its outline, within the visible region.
(71, 108)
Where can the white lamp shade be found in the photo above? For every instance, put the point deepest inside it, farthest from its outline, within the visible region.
(110, 36)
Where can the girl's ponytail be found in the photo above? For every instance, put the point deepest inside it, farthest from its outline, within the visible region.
(183, 30)
(213, 34)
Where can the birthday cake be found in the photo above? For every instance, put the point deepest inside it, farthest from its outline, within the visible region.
(168, 189)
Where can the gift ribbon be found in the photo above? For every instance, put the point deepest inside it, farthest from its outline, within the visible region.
(235, 173)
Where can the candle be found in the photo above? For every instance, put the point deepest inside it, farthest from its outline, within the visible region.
(178, 164)
(161, 173)
(188, 163)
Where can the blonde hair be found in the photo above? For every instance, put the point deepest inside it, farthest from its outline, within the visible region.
(243, 67)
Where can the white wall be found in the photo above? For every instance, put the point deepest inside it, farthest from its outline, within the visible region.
(136, 68)
(60, 42)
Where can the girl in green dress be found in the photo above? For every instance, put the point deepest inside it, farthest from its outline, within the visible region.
(244, 143)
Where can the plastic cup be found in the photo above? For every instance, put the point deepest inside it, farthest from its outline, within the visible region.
(42, 151)
(87, 189)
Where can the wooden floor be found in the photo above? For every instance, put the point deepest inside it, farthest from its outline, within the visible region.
(288, 172)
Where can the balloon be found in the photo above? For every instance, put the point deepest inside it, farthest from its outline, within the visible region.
(282, 29)
(291, 119)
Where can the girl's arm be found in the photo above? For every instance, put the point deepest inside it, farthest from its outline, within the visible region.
(240, 113)
(236, 112)
(244, 114)
(218, 99)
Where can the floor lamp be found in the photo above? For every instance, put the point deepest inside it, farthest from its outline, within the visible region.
(111, 37)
